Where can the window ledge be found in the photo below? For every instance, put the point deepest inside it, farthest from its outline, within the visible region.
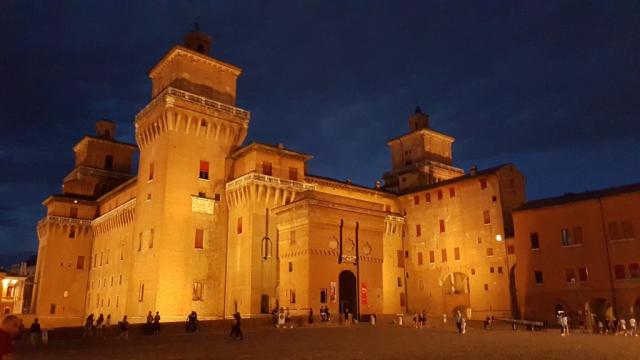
(535, 249)
(621, 240)
(201, 179)
(572, 246)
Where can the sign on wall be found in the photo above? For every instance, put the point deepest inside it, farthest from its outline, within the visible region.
(363, 293)
(332, 294)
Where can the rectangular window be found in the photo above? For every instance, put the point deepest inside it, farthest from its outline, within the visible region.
(483, 183)
(634, 270)
(439, 194)
(499, 269)
(418, 230)
(290, 266)
(292, 237)
(80, 263)
(139, 242)
(627, 230)
(583, 274)
(267, 168)
(427, 198)
(570, 275)
(432, 257)
(197, 291)
(614, 231)
(72, 232)
(492, 270)
(416, 199)
(452, 192)
(399, 282)
(141, 292)
(444, 255)
(442, 226)
(151, 233)
(535, 242)
(420, 258)
(239, 227)
(204, 170)
(456, 253)
(52, 309)
(577, 235)
(538, 276)
(108, 162)
(387, 208)
(108, 253)
(620, 271)
(73, 212)
(511, 249)
(489, 251)
(101, 254)
(199, 241)
(566, 237)
(486, 217)
(400, 255)
(292, 296)
(323, 296)
(151, 168)
(293, 174)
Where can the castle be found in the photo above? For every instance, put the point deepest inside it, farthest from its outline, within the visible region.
(210, 224)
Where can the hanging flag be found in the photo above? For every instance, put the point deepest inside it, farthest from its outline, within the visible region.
(332, 293)
(363, 293)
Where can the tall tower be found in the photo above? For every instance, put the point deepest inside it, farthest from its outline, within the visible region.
(185, 134)
(420, 157)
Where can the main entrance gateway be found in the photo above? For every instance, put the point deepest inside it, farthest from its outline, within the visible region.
(347, 291)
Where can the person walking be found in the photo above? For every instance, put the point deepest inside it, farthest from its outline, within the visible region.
(192, 322)
(88, 326)
(632, 327)
(564, 323)
(156, 323)
(148, 329)
(124, 328)
(98, 328)
(458, 319)
(236, 332)
(35, 332)
(310, 315)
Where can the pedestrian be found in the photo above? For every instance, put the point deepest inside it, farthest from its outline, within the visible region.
(156, 323)
(310, 315)
(415, 320)
(424, 318)
(632, 327)
(372, 319)
(622, 327)
(458, 319)
(107, 325)
(192, 322)
(487, 323)
(35, 332)
(9, 329)
(327, 314)
(148, 329)
(98, 327)
(88, 326)
(564, 323)
(236, 332)
(123, 326)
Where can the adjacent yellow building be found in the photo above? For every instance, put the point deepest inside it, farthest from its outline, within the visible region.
(210, 224)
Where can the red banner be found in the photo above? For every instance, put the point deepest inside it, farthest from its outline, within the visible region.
(363, 293)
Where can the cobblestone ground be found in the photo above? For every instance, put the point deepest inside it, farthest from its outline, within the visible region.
(353, 342)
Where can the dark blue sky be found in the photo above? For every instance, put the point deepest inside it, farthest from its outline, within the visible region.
(553, 87)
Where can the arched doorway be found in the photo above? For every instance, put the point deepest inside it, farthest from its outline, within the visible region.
(347, 290)
(597, 309)
(455, 288)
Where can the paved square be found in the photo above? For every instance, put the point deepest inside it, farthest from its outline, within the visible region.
(354, 342)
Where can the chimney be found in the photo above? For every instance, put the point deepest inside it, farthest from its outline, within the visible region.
(473, 170)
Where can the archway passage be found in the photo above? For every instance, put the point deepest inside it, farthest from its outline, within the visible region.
(636, 309)
(347, 290)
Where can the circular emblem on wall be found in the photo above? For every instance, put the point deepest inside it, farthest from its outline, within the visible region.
(333, 244)
(349, 245)
(367, 249)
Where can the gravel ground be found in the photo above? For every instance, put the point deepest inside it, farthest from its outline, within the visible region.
(352, 342)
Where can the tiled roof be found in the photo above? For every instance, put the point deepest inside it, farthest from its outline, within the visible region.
(575, 197)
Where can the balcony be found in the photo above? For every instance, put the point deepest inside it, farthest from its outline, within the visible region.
(196, 99)
(268, 180)
(61, 220)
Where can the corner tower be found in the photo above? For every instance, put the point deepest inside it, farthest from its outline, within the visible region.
(420, 157)
(185, 134)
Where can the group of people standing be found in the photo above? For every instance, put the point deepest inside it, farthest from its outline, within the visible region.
(96, 327)
(420, 319)
(153, 323)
